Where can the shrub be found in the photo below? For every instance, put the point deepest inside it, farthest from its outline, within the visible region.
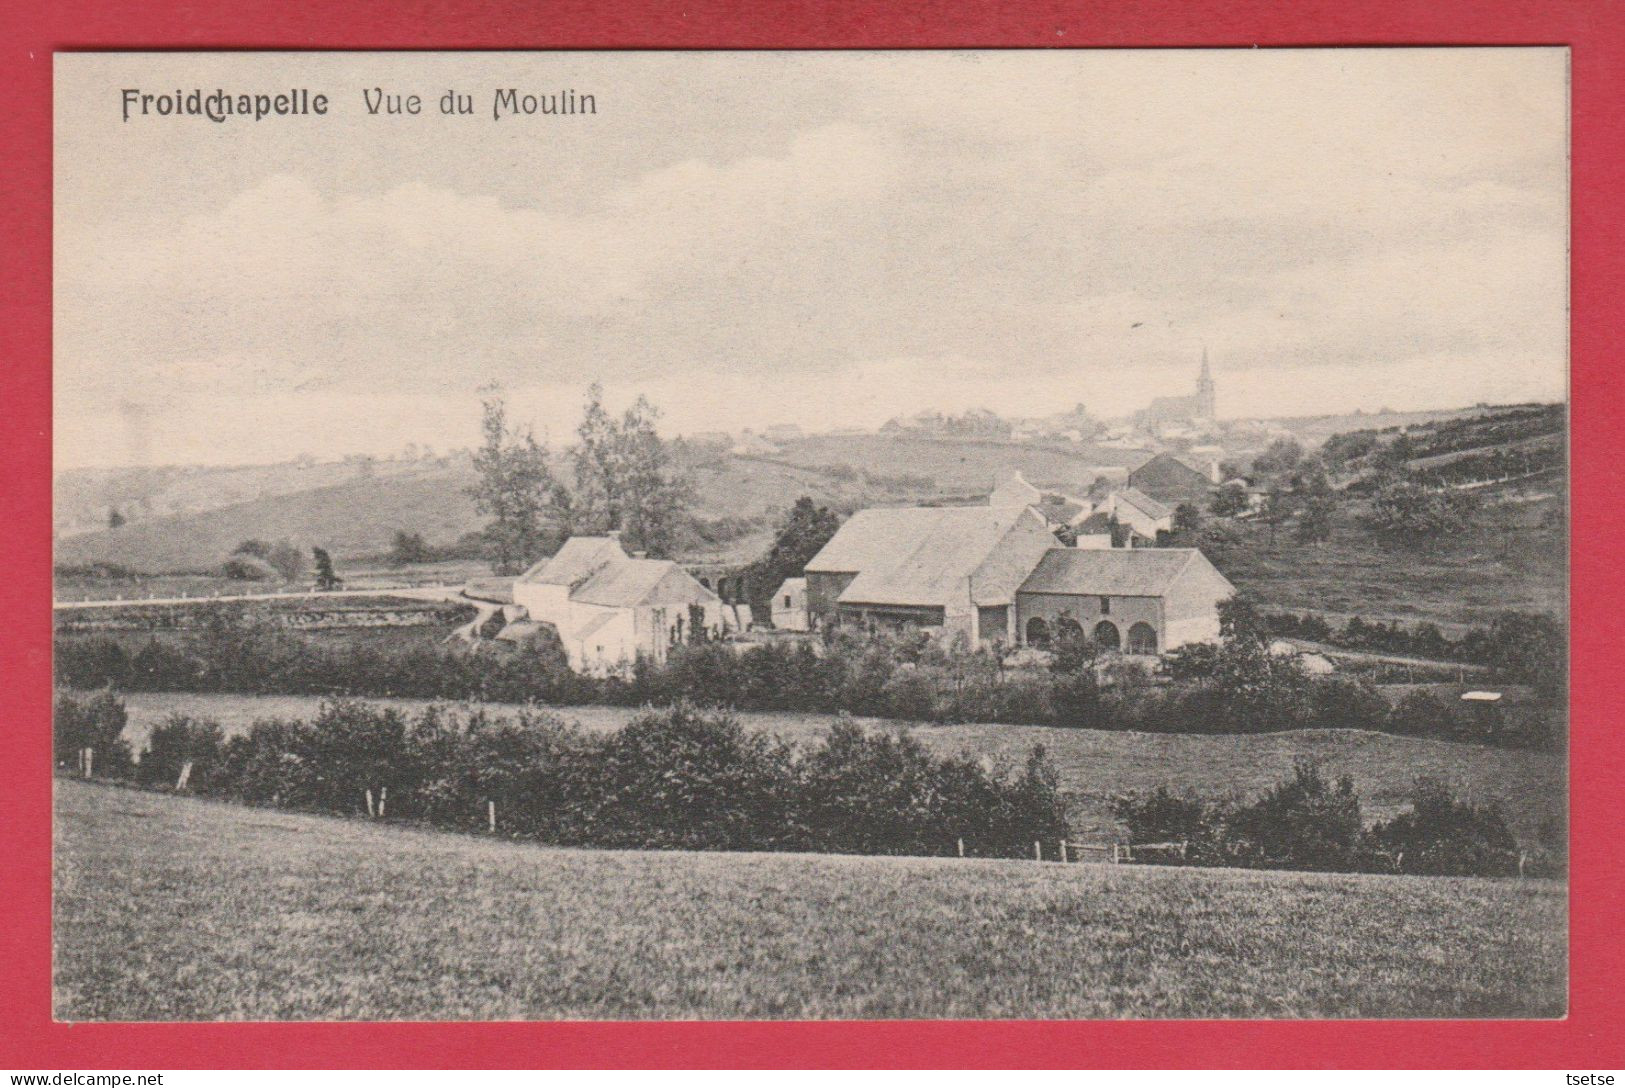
(177, 741)
(1443, 836)
(1421, 714)
(1302, 823)
(96, 722)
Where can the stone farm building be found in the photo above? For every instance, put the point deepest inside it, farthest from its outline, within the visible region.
(610, 608)
(988, 572)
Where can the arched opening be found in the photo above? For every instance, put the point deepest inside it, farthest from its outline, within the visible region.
(1068, 629)
(1037, 632)
(1142, 639)
(1106, 636)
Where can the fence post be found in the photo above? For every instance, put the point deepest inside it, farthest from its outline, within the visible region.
(370, 810)
(1523, 860)
(90, 762)
(1063, 851)
(961, 847)
(383, 795)
(1038, 850)
(491, 815)
(186, 773)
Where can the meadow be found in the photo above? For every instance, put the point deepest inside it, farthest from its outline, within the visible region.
(172, 908)
(1094, 765)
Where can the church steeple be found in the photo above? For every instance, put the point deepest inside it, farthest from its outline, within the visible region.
(1204, 389)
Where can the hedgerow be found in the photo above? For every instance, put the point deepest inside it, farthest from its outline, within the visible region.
(1309, 823)
(678, 778)
(1235, 686)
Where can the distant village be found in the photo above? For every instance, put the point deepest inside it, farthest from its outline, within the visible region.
(1023, 568)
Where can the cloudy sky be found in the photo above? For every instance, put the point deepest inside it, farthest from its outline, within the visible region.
(819, 238)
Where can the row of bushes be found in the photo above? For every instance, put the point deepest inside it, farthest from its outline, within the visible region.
(1235, 687)
(670, 779)
(1310, 823)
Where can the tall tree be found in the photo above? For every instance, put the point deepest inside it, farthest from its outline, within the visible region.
(515, 489)
(626, 478)
(804, 531)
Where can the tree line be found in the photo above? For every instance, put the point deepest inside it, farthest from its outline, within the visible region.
(677, 778)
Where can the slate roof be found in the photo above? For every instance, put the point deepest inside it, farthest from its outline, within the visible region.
(1115, 572)
(1095, 524)
(623, 583)
(1144, 502)
(935, 567)
(1169, 479)
(576, 560)
(879, 535)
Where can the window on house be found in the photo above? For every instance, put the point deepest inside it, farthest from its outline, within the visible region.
(1105, 606)
(787, 601)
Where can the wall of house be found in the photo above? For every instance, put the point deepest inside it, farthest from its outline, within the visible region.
(1193, 604)
(611, 648)
(1010, 563)
(1085, 609)
(823, 588)
(544, 603)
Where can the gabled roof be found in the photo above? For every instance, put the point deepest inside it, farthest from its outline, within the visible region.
(1116, 572)
(1061, 509)
(624, 583)
(577, 560)
(879, 535)
(935, 568)
(1095, 524)
(1145, 503)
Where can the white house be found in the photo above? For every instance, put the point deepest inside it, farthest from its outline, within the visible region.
(1140, 512)
(790, 605)
(610, 608)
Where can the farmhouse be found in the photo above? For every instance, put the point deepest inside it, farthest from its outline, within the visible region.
(610, 608)
(993, 573)
(1140, 512)
(951, 567)
(1138, 601)
(1171, 481)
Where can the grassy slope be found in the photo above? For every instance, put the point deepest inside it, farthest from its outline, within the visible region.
(1506, 560)
(1094, 765)
(173, 908)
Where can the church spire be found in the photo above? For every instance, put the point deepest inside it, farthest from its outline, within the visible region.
(1205, 392)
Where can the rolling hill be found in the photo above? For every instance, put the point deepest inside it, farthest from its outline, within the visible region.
(290, 917)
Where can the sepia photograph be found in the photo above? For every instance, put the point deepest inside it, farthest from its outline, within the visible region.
(811, 535)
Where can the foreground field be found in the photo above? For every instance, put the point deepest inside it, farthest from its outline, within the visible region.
(178, 909)
(1094, 765)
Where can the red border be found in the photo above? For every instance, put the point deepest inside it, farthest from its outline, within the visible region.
(1592, 1035)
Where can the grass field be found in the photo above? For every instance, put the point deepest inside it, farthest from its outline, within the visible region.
(1094, 765)
(1509, 559)
(178, 909)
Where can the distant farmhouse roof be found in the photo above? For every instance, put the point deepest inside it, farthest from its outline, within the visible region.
(1144, 503)
(1170, 480)
(1138, 572)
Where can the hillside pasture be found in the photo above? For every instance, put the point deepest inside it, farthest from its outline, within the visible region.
(1094, 765)
(172, 908)
(1509, 559)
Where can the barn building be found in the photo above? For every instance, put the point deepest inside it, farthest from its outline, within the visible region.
(996, 574)
(1171, 481)
(1138, 601)
(957, 568)
(610, 608)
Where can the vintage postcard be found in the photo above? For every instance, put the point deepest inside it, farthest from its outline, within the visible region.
(811, 535)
